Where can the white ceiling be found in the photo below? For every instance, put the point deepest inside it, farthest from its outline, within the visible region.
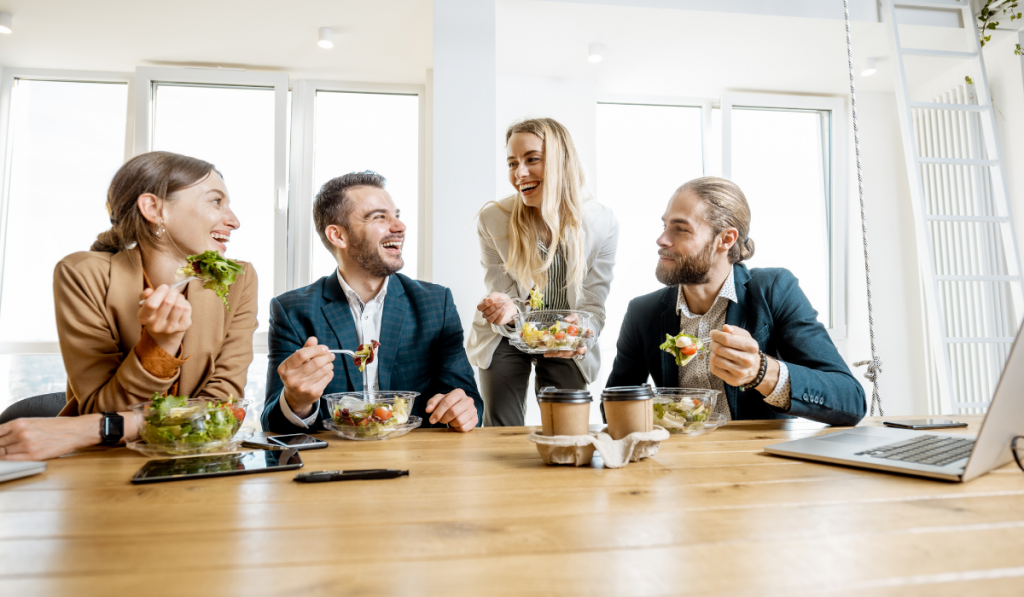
(382, 40)
(649, 51)
(670, 52)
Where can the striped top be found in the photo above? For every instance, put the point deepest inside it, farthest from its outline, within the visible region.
(555, 294)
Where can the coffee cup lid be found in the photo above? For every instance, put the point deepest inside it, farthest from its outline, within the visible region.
(553, 394)
(643, 392)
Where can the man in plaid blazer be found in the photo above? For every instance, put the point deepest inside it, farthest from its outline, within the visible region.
(416, 323)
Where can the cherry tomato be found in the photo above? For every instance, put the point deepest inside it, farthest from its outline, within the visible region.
(560, 336)
(689, 350)
(364, 422)
(573, 330)
(383, 413)
(239, 413)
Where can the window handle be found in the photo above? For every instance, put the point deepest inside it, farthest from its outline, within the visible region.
(282, 201)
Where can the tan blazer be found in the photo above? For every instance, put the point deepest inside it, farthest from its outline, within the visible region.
(96, 296)
(601, 240)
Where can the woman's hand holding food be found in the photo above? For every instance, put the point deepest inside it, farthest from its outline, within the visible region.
(166, 315)
(497, 308)
(569, 354)
(736, 359)
(456, 409)
(305, 374)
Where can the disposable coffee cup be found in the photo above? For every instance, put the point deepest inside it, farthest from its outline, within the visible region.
(628, 409)
(564, 412)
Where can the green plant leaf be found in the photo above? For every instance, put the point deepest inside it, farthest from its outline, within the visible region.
(969, 81)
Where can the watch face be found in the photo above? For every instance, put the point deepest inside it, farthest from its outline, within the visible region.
(113, 428)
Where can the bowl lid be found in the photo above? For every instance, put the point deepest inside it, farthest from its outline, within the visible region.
(643, 392)
(553, 394)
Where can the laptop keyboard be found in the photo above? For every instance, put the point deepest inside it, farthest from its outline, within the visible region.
(925, 449)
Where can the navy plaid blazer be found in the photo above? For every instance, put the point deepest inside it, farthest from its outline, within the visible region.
(772, 307)
(421, 347)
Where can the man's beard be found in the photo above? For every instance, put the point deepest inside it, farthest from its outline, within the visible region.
(688, 270)
(367, 255)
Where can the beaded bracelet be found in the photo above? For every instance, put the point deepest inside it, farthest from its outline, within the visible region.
(760, 375)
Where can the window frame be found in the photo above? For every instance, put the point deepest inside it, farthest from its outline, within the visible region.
(301, 193)
(835, 170)
(704, 103)
(8, 76)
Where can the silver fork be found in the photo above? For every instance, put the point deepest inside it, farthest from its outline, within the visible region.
(177, 284)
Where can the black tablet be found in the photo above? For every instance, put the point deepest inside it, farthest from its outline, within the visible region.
(218, 465)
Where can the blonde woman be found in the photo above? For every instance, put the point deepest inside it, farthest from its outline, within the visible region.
(546, 234)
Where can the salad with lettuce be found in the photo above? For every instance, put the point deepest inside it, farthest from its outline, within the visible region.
(216, 271)
(684, 414)
(683, 347)
(536, 301)
(365, 354)
(172, 420)
(374, 419)
(561, 335)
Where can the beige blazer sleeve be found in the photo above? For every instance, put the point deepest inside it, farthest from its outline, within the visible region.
(496, 279)
(603, 229)
(231, 364)
(102, 375)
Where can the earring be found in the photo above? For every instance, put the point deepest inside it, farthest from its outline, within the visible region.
(160, 229)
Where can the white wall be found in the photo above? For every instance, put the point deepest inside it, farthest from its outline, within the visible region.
(899, 335)
(463, 143)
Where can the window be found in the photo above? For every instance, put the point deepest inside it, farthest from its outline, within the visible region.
(369, 131)
(781, 150)
(66, 140)
(644, 153)
(233, 128)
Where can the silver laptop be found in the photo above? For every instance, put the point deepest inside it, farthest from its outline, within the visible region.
(924, 453)
(11, 470)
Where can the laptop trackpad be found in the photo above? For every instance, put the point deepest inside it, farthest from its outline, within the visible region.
(849, 438)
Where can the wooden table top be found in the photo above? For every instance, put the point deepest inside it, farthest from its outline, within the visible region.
(481, 515)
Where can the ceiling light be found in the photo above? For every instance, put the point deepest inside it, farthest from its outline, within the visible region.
(5, 22)
(324, 40)
(594, 55)
(869, 67)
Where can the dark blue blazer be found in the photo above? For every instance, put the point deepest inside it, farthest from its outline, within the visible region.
(421, 346)
(771, 306)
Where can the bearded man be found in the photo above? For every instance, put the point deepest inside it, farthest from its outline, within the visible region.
(362, 301)
(768, 352)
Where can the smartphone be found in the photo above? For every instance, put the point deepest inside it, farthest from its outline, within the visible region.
(218, 465)
(296, 441)
(299, 441)
(925, 424)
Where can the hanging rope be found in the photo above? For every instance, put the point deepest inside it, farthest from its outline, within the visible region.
(875, 364)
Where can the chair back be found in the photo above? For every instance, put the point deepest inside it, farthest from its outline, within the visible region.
(44, 405)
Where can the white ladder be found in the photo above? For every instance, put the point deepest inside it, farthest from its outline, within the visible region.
(967, 250)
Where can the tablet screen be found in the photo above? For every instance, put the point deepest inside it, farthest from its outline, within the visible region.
(217, 465)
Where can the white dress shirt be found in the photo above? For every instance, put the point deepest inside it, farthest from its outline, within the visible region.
(368, 319)
(697, 373)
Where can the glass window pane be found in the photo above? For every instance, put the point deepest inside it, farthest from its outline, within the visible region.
(24, 376)
(777, 160)
(67, 141)
(664, 144)
(369, 131)
(233, 128)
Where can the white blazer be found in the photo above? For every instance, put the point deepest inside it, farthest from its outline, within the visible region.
(602, 238)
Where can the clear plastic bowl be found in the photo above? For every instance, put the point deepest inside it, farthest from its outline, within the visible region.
(200, 426)
(686, 410)
(536, 332)
(374, 415)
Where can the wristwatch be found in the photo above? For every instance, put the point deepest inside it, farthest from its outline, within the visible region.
(111, 429)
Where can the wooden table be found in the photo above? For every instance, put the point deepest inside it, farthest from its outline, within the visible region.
(481, 515)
